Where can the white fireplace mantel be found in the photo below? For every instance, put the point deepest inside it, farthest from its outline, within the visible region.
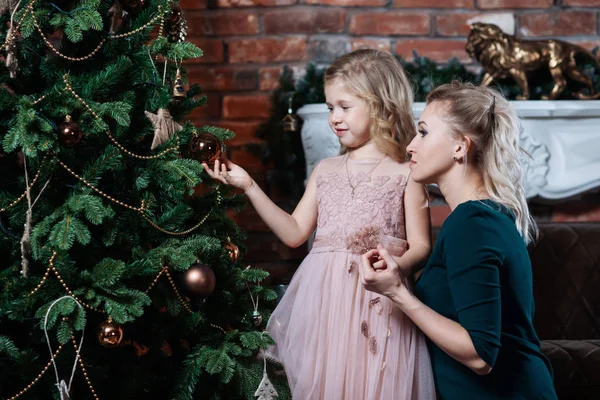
(562, 137)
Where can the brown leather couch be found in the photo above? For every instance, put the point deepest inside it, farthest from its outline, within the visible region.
(566, 273)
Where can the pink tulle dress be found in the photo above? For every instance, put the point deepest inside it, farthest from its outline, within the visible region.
(335, 339)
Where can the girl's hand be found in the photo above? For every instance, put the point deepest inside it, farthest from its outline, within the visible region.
(379, 273)
(377, 262)
(230, 174)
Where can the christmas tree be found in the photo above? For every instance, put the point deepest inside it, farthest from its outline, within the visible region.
(120, 274)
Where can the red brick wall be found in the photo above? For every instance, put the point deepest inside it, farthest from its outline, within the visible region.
(246, 42)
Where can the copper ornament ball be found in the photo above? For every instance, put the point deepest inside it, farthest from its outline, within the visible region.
(110, 334)
(69, 133)
(200, 280)
(233, 251)
(205, 147)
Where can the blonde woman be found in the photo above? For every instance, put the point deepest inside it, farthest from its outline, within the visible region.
(336, 340)
(474, 300)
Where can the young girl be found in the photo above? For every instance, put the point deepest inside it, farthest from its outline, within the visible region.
(335, 339)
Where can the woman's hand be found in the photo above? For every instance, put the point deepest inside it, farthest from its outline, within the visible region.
(379, 273)
(230, 174)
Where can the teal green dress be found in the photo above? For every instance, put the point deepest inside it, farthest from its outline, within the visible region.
(479, 274)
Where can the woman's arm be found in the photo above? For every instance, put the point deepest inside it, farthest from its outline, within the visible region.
(294, 229)
(448, 335)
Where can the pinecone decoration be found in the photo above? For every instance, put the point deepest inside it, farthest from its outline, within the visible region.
(176, 27)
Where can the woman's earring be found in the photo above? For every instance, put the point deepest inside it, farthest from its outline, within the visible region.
(455, 159)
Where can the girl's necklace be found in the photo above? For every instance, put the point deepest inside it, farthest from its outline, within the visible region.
(353, 187)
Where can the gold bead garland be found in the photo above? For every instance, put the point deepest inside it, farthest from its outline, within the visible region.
(161, 26)
(22, 392)
(10, 37)
(184, 303)
(52, 268)
(82, 365)
(58, 53)
(111, 137)
(141, 28)
(29, 10)
(219, 328)
(142, 209)
(38, 100)
(21, 197)
(193, 228)
(100, 192)
(165, 270)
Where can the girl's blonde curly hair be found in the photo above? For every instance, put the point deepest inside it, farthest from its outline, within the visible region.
(377, 78)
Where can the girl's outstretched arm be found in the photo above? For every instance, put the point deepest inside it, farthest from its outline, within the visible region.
(294, 229)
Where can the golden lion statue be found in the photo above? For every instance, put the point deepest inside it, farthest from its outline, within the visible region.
(504, 56)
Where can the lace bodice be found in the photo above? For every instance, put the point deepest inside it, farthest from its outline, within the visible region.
(375, 213)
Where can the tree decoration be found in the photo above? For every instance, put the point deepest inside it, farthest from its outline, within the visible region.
(176, 25)
(205, 147)
(69, 133)
(266, 390)
(232, 250)
(257, 318)
(117, 16)
(199, 280)
(178, 88)
(164, 126)
(110, 334)
(63, 388)
(290, 121)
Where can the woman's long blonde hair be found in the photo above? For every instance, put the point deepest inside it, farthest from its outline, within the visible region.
(377, 78)
(487, 118)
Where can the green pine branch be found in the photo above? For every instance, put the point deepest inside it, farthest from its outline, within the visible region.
(8, 347)
(106, 254)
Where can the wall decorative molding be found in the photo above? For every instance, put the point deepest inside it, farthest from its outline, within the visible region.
(562, 137)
